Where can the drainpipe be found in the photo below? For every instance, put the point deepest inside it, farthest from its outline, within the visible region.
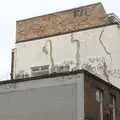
(12, 64)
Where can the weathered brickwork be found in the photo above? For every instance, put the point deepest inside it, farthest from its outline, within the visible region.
(92, 108)
(61, 22)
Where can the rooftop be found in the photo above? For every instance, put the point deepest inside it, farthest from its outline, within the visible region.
(54, 75)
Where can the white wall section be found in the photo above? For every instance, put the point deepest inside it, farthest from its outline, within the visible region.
(96, 50)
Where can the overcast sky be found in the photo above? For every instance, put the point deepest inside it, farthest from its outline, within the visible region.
(12, 10)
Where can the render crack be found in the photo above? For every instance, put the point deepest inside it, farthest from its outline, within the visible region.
(108, 53)
(105, 49)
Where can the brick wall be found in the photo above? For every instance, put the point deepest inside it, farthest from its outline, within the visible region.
(61, 22)
(92, 107)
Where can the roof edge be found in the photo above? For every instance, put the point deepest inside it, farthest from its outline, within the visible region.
(54, 75)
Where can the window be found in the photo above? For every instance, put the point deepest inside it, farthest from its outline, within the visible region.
(113, 107)
(98, 95)
(99, 99)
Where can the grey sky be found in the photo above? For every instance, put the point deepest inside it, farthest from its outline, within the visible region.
(13, 10)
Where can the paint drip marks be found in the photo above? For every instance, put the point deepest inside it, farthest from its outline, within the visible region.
(77, 50)
(45, 50)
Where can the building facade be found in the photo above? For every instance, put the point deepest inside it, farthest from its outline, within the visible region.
(65, 66)
(80, 38)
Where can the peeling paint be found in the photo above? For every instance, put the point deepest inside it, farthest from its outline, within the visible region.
(77, 50)
(51, 52)
(102, 60)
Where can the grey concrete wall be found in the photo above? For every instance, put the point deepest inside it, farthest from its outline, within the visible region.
(60, 98)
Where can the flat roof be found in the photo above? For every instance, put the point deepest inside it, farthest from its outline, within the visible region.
(54, 75)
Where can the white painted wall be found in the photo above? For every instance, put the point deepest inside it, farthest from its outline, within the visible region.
(95, 54)
(45, 99)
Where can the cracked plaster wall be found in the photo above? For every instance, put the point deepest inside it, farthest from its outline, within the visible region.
(99, 52)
